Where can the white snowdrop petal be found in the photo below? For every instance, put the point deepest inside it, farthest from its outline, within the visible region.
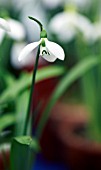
(57, 22)
(27, 49)
(67, 25)
(49, 58)
(4, 24)
(62, 25)
(42, 49)
(55, 49)
(17, 30)
(15, 51)
(46, 54)
(2, 34)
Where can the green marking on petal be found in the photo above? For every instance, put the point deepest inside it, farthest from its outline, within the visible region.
(43, 43)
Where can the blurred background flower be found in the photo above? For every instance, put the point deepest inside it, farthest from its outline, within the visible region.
(66, 26)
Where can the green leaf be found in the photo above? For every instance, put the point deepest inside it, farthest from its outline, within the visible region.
(76, 72)
(21, 112)
(8, 78)
(22, 155)
(7, 107)
(25, 81)
(49, 72)
(13, 90)
(6, 120)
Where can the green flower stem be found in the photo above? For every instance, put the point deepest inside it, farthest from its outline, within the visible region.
(31, 94)
(34, 19)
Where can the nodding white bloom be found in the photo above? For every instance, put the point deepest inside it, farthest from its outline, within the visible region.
(50, 51)
(17, 31)
(96, 32)
(66, 25)
(15, 51)
(4, 25)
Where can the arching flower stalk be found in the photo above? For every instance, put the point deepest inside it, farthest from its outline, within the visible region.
(50, 51)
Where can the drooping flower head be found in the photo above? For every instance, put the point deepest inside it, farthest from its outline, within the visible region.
(4, 25)
(50, 51)
(66, 26)
(13, 28)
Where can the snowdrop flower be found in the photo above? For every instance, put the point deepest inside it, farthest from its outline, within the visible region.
(50, 51)
(15, 51)
(96, 31)
(2, 34)
(4, 25)
(17, 31)
(66, 25)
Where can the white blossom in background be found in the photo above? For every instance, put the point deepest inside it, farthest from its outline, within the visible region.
(4, 28)
(15, 51)
(2, 34)
(17, 30)
(96, 31)
(66, 25)
(4, 25)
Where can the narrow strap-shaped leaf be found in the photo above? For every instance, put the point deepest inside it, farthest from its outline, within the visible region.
(22, 104)
(25, 81)
(6, 120)
(76, 72)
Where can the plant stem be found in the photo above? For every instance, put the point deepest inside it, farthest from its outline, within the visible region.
(31, 94)
(34, 19)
